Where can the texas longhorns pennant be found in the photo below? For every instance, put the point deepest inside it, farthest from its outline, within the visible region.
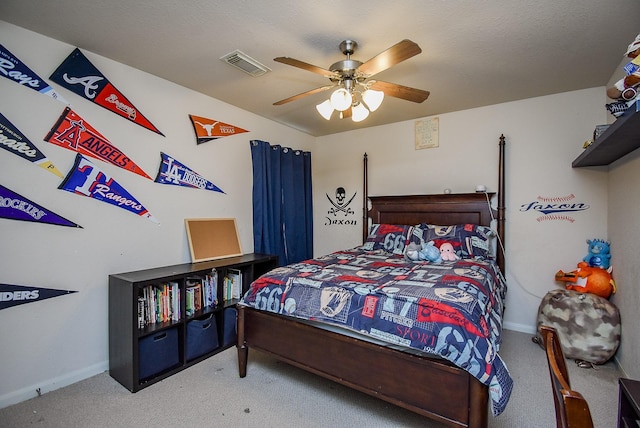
(13, 69)
(208, 129)
(74, 133)
(176, 173)
(13, 295)
(79, 75)
(12, 140)
(86, 179)
(16, 207)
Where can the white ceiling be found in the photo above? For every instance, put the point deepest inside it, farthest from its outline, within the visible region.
(474, 52)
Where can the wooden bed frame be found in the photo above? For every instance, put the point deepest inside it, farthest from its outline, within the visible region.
(428, 386)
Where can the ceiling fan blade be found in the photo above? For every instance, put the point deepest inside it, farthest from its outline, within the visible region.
(303, 94)
(399, 91)
(305, 66)
(392, 56)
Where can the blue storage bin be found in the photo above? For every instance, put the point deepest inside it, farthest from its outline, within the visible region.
(230, 324)
(202, 336)
(158, 352)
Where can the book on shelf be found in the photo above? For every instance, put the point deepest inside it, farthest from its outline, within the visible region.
(232, 287)
(194, 296)
(210, 291)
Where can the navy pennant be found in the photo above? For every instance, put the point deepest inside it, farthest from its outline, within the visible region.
(13, 295)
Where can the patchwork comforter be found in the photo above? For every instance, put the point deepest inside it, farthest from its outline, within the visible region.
(452, 309)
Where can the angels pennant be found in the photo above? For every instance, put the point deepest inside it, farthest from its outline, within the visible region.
(86, 179)
(13, 295)
(74, 133)
(78, 75)
(16, 207)
(173, 172)
(12, 140)
(208, 129)
(13, 69)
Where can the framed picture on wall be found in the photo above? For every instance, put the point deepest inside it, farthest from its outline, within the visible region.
(427, 133)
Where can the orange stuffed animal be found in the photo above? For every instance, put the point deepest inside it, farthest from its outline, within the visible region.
(587, 279)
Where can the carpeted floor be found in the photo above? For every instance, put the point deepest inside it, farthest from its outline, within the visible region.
(274, 394)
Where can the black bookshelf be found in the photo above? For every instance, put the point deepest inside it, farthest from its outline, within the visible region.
(142, 352)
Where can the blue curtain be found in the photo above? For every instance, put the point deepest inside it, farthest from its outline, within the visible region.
(282, 204)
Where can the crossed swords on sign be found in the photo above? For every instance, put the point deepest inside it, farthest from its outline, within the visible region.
(345, 209)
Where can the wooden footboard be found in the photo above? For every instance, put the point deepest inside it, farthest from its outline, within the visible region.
(430, 387)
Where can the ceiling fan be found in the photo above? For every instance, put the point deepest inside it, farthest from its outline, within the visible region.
(351, 78)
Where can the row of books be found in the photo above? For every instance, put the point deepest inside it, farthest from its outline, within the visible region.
(201, 293)
(159, 304)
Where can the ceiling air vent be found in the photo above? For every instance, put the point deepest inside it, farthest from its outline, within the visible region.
(245, 63)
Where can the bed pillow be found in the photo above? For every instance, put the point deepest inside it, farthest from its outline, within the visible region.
(467, 240)
(392, 238)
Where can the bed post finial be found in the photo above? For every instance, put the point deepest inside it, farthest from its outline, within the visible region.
(365, 197)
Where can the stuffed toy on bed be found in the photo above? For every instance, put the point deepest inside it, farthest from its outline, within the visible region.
(427, 251)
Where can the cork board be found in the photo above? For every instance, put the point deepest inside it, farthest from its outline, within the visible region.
(212, 238)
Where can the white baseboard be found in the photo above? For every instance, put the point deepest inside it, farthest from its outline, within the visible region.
(67, 379)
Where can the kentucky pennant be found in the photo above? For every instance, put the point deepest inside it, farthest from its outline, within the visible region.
(207, 129)
(16, 207)
(74, 133)
(88, 180)
(78, 75)
(12, 140)
(13, 69)
(173, 172)
(13, 295)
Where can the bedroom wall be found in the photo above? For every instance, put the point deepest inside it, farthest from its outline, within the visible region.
(543, 136)
(52, 343)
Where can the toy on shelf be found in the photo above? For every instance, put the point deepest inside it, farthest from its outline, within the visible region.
(599, 253)
(587, 279)
(625, 90)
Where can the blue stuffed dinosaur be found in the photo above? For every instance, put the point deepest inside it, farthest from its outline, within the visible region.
(599, 254)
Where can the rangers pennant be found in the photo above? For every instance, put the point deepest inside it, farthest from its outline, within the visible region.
(74, 133)
(208, 129)
(78, 75)
(88, 180)
(176, 173)
(13, 69)
(12, 140)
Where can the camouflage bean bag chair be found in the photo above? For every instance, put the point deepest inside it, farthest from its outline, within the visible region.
(588, 325)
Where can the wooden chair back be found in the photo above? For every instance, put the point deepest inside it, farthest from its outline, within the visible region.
(572, 410)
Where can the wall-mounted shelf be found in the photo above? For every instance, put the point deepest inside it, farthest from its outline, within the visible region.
(620, 139)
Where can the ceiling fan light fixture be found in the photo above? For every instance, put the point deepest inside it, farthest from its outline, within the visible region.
(341, 99)
(359, 112)
(372, 99)
(325, 109)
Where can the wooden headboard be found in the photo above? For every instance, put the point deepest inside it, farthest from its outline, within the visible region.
(441, 209)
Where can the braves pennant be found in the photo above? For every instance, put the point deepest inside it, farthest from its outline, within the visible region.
(74, 133)
(13, 69)
(86, 179)
(12, 140)
(208, 129)
(173, 172)
(16, 207)
(78, 75)
(13, 295)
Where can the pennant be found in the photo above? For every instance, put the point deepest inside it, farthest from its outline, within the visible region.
(208, 129)
(74, 133)
(78, 75)
(14, 141)
(86, 179)
(13, 69)
(16, 207)
(175, 173)
(13, 295)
